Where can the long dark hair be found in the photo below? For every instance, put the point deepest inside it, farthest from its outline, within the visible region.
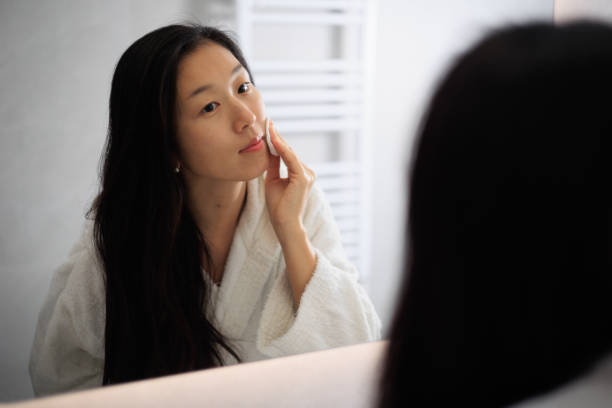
(148, 242)
(509, 259)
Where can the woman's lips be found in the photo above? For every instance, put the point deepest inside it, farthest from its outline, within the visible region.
(254, 147)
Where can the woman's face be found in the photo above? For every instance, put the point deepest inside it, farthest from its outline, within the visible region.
(220, 118)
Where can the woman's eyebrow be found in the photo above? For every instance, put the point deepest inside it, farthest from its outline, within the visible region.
(236, 69)
(205, 87)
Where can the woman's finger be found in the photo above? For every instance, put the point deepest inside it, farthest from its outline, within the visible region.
(293, 163)
(311, 175)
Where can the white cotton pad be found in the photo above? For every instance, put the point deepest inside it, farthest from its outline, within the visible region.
(268, 141)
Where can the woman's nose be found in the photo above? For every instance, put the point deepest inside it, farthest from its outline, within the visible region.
(243, 116)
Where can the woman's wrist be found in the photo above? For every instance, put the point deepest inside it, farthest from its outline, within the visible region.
(288, 233)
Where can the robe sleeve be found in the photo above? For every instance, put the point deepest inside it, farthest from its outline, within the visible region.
(68, 349)
(334, 310)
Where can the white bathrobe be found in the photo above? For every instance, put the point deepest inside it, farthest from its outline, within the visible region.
(253, 307)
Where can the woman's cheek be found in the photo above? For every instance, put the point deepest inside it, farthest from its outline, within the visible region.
(260, 107)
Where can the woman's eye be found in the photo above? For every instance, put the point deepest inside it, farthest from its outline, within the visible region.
(210, 107)
(244, 87)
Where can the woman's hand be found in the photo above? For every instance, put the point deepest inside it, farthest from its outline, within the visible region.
(286, 197)
(286, 200)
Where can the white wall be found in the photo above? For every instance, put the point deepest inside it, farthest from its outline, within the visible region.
(567, 10)
(55, 69)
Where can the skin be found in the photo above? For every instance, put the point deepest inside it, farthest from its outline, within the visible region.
(214, 125)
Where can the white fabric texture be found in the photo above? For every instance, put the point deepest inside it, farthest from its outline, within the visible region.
(253, 307)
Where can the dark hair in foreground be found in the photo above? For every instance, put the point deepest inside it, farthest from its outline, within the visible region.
(509, 286)
(148, 242)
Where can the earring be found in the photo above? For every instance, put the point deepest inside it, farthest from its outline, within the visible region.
(177, 169)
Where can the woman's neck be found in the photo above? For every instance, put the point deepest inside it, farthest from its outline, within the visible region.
(216, 206)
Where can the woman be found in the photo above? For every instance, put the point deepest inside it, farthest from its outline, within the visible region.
(510, 241)
(194, 259)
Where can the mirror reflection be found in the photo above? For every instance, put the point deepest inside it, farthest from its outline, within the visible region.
(336, 88)
(197, 252)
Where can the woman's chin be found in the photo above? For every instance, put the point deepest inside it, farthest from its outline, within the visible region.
(262, 167)
(259, 173)
(254, 173)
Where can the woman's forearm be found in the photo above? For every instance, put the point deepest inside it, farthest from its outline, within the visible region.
(301, 260)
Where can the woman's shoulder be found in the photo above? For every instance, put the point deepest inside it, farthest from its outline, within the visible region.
(80, 278)
(317, 207)
(85, 239)
(84, 252)
(70, 327)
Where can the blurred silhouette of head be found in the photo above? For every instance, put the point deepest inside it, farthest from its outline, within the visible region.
(508, 291)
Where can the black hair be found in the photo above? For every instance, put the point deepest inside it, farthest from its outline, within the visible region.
(508, 262)
(149, 244)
